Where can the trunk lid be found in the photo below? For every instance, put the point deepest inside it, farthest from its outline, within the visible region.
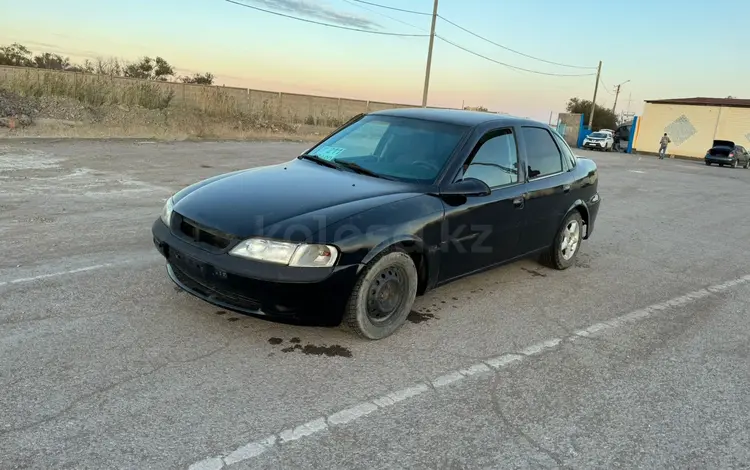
(723, 143)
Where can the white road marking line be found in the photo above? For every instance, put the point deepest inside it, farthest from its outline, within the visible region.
(353, 413)
(350, 414)
(636, 171)
(249, 451)
(306, 429)
(57, 274)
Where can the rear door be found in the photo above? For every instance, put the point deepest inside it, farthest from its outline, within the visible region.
(548, 188)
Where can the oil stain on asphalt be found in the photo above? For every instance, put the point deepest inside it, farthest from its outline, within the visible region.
(312, 349)
(420, 317)
(534, 273)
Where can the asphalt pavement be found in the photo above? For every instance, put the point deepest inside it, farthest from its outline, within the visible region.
(635, 357)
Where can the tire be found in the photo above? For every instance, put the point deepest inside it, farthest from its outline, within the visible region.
(734, 164)
(399, 272)
(708, 163)
(747, 164)
(555, 256)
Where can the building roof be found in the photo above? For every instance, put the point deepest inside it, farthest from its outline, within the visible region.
(729, 102)
(450, 116)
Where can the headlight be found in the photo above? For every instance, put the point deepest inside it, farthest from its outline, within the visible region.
(166, 212)
(300, 255)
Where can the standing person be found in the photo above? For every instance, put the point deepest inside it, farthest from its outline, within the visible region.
(663, 146)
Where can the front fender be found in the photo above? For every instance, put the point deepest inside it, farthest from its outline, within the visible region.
(411, 243)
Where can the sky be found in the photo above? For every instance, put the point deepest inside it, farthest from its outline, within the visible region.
(655, 49)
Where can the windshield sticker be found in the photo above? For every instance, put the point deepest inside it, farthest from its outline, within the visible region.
(328, 152)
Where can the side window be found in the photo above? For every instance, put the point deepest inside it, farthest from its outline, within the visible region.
(565, 149)
(543, 156)
(496, 160)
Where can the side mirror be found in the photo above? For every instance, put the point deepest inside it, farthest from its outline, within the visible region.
(467, 187)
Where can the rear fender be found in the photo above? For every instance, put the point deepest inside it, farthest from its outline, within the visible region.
(580, 206)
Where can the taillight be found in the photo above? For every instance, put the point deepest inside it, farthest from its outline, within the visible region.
(731, 155)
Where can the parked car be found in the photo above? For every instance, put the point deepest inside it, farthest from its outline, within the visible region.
(392, 204)
(599, 141)
(726, 152)
(622, 137)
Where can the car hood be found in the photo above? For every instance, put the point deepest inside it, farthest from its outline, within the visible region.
(289, 201)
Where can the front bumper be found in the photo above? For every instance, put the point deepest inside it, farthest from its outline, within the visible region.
(252, 287)
(594, 145)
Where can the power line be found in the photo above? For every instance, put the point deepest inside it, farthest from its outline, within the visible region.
(407, 35)
(513, 50)
(352, 2)
(476, 35)
(382, 33)
(394, 8)
(513, 66)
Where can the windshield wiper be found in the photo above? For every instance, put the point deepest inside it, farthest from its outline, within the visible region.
(359, 169)
(318, 160)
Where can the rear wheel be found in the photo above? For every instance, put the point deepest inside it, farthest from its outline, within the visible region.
(383, 295)
(747, 164)
(708, 163)
(562, 254)
(734, 164)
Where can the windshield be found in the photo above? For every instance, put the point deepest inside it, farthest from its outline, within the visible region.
(599, 135)
(394, 147)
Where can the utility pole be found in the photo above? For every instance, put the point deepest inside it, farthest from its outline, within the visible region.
(617, 93)
(593, 102)
(429, 55)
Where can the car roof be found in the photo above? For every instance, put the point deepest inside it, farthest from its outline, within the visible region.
(454, 116)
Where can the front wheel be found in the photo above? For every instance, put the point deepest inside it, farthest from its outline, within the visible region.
(734, 164)
(383, 295)
(708, 163)
(562, 254)
(747, 164)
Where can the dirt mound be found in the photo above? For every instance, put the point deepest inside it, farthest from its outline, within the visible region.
(13, 105)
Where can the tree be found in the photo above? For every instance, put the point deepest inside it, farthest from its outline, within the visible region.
(51, 61)
(476, 108)
(604, 118)
(149, 69)
(199, 79)
(17, 55)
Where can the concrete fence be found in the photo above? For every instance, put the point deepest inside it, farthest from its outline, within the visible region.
(219, 100)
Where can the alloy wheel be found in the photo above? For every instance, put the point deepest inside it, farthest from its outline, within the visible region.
(571, 238)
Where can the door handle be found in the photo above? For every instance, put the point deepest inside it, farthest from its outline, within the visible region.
(566, 188)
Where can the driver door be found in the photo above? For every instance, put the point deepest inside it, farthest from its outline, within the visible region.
(481, 231)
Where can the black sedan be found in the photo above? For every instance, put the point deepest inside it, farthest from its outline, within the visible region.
(388, 206)
(726, 152)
